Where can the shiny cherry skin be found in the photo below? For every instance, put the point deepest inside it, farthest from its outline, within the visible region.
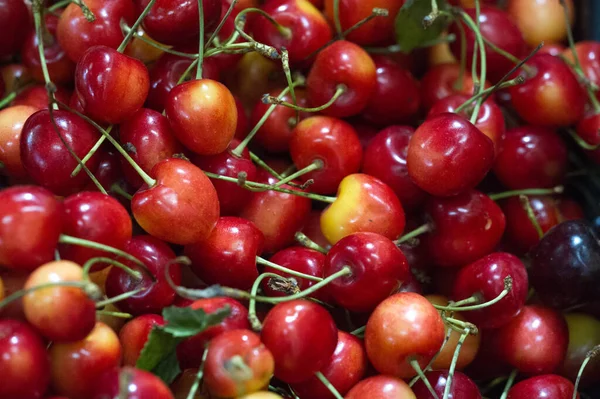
(543, 386)
(12, 120)
(397, 96)
(108, 172)
(174, 22)
(345, 369)
(203, 115)
(381, 387)
(584, 335)
(312, 229)
(490, 120)
(148, 138)
(442, 80)
(342, 64)
(134, 335)
(227, 354)
(306, 29)
(140, 384)
(466, 227)
(549, 23)
(302, 337)
(75, 34)
(484, 278)
(462, 386)
(59, 313)
(47, 160)
(448, 155)
(30, 225)
(232, 197)
(24, 363)
(377, 268)
(535, 341)
(182, 195)
(15, 21)
(395, 319)
(551, 95)
(331, 142)
(587, 53)
(567, 253)
(385, 159)
(37, 96)
(156, 256)
(277, 215)
(190, 351)
(95, 217)
(364, 204)
(588, 129)
(228, 256)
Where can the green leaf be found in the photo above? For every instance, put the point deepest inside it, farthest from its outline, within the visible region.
(187, 322)
(159, 346)
(168, 369)
(411, 33)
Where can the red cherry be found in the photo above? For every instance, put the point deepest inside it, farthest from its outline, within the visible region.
(302, 336)
(108, 172)
(448, 155)
(543, 386)
(134, 335)
(381, 387)
(442, 80)
(11, 125)
(37, 96)
(588, 53)
(588, 129)
(312, 229)
(15, 22)
(139, 384)
(462, 386)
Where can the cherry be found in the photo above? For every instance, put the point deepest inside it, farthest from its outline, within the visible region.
(143, 48)
(587, 54)
(232, 197)
(173, 22)
(381, 387)
(228, 256)
(312, 229)
(535, 341)
(549, 23)
(30, 225)
(14, 77)
(253, 76)
(134, 335)
(364, 204)
(11, 125)
(12, 282)
(24, 362)
(190, 351)
(302, 337)
(95, 217)
(343, 67)
(395, 319)
(15, 22)
(138, 384)
(564, 269)
(237, 364)
(37, 96)
(543, 386)
(108, 172)
(465, 228)
(442, 80)
(45, 157)
(76, 34)
(584, 335)
(181, 193)
(377, 269)
(462, 386)
(148, 138)
(203, 115)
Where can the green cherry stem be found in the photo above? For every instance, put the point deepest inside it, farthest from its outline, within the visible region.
(88, 287)
(201, 41)
(135, 26)
(415, 233)
(241, 18)
(336, 17)
(7, 99)
(90, 153)
(459, 344)
(359, 331)
(199, 375)
(66, 239)
(275, 266)
(513, 82)
(340, 90)
(526, 204)
(595, 351)
(117, 189)
(256, 159)
(120, 315)
(328, 385)
(308, 243)
(118, 298)
(458, 306)
(87, 13)
(58, 5)
(221, 23)
(417, 367)
(252, 317)
(460, 82)
(316, 165)
(527, 191)
(88, 265)
(375, 13)
(509, 383)
(581, 142)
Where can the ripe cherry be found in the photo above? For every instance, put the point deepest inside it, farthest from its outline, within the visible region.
(37, 96)
(11, 125)
(134, 335)
(381, 387)
(587, 53)
(462, 386)
(442, 80)
(137, 383)
(15, 21)
(543, 386)
(549, 23)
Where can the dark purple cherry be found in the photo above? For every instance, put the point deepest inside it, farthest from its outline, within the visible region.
(462, 386)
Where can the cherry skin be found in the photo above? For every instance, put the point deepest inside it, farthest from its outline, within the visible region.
(11, 125)
(95, 217)
(148, 138)
(108, 172)
(549, 23)
(395, 319)
(397, 96)
(14, 77)
(24, 363)
(302, 337)
(190, 351)
(442, 80)
(134, 335)
(312, 229)
(381, 387)
(587, 53)
(30, 225)
(228, 256)
(485, 279)
(203, 115)
(75, 34)
(448, 155)
(465, 228)
(139, 384)
(377, 268)
(584, 335)
(15, 21)
(588, 129)
(342, 64)
(385, 159)
(331, 142)
(37, 96)
(543, 386)
(182, 195)
(364, 204)
(462, 386)
(232, 197)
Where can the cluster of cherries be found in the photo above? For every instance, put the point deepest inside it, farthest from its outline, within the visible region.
(284, 163)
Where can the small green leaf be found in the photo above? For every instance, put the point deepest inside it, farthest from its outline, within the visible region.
(411, 33)
(159, 346)
(187, 322)
(168, 369)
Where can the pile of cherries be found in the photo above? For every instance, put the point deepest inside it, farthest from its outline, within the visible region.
(274, 199)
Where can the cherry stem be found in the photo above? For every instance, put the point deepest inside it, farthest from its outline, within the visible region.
(456, 307)
(201, 41)
(65, 239)
(91, 289)
(117, 189)
(90, 153)
(432, 16)
(120, 315)
(459, 84)
(507, 55)
(581, 142)
(375, 13)
(256, 159)
(305, 241)
(526, 204)
(264, 262)
(591, 354)
(8, 99)
(88, 265)
(252, 317)
(87, 13)
(527, 191)
(315, 165)
(415, 233)
(486, 92)
(135, 26)
(340, 90)
(336, 17)
(359, 331)
(240, 21)
(328, 385)
(285, 63)
(430, 364)
(118, 298)
(509, 383)
(58, 5)
(289, 170)
(221, 23)
(199, 375)
(417, 367)
(459, 344)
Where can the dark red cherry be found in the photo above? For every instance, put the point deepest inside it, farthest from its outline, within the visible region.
(139, 384)
(228, 256)
(37, 96)
(462, 386)
(108, 172)
(542, 387)
(588, 129)
(15, 22)
(448, 155)
(45, 157)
